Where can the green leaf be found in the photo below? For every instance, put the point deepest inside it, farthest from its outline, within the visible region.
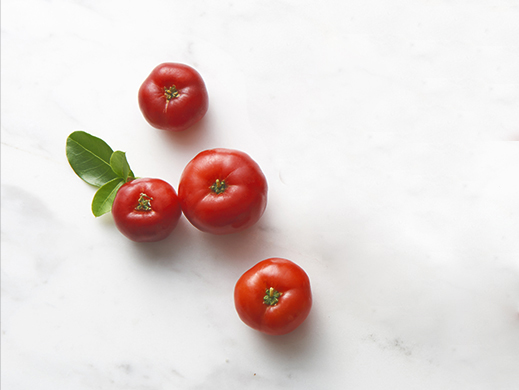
(89, 157)
(120, 165)
(104, 197)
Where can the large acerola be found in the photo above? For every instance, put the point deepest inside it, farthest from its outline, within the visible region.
(222, 191)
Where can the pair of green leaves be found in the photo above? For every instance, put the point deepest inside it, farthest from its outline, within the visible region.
(97, 164)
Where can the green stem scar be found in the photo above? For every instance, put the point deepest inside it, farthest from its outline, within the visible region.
(218, 187)
(171, 92)
(144, 203)
(271, 296)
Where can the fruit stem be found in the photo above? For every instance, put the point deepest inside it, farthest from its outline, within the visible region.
(171, 92)
(271, 296)
(218, 187)
(144, 202)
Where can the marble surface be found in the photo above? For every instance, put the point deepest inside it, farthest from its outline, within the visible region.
(388, 134)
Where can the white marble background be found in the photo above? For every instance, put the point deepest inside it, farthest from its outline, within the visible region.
(387, 133)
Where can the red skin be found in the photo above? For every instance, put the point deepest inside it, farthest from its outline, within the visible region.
(239, 206)
(294, 303)
(146, 225)
(173, 113)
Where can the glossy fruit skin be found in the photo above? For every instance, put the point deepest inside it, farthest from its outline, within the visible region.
(173, 109)
(294, 303)
(147, 218)
(242, 196)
